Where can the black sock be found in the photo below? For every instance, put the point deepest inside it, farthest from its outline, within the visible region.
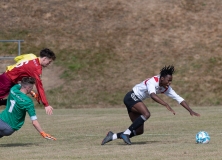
(137, 123)
(130, 136)
(133, 133)
(118, 135)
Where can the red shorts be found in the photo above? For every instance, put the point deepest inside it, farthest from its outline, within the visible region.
(5, 85)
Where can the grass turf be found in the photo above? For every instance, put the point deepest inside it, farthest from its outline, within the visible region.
(79, 133)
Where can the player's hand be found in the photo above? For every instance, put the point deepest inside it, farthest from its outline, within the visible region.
(36, 96)
(47, 136)
(170, 109)
(49, 110)
(192, 113)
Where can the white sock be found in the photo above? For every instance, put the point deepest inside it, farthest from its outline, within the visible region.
(114, 136)
(128, 132)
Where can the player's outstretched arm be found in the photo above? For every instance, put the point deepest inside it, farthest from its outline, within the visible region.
(49, 110)
(186, 106)
(160, 101)
(39, 129)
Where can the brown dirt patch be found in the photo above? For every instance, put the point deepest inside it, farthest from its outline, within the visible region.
(145, 35)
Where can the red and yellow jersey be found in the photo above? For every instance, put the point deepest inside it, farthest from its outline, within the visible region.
(28, 65)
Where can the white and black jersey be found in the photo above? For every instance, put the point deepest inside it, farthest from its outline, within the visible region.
(151, 85)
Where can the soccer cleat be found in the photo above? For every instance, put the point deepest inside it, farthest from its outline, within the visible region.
(108, 138)
(125, 138)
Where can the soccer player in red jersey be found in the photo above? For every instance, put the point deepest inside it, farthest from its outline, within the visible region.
(27, 65)
(137, 110)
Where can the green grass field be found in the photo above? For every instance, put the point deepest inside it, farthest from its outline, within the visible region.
(79, 133)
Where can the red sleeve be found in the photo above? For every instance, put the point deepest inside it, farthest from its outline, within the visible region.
(40, 90)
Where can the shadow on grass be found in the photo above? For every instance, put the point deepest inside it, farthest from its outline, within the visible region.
(140, 143)
(19, 144)
(145, 142)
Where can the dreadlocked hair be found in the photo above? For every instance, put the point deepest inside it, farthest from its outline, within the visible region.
(167, 70)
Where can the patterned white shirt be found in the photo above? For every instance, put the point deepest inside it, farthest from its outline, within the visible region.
(151, 85)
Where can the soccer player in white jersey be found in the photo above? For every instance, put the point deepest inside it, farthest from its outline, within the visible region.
(137, 110)
(18, 103)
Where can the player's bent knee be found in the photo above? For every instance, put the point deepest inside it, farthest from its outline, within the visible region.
(146, 116)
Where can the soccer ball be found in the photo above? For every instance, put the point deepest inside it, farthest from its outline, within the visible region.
(202, 137)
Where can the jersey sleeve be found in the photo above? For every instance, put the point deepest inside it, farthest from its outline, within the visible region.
(172, 94)
(151, 83)
(40, 89)
(31, 110)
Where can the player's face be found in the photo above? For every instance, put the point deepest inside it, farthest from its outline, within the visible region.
(166, 81)
(29, 88)
(46, 61)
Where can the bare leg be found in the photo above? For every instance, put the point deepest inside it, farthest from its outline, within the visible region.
(136, 111)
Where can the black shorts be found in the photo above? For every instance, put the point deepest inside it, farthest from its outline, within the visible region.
(130, 100)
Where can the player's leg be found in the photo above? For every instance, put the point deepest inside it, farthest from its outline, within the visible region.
(5, 86)
(5, 129)
(138, 131)
(112, 136)
(133, 116)
(138, 115)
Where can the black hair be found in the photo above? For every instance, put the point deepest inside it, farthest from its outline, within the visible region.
(47, 53)
(167, 70)
(27, 81)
